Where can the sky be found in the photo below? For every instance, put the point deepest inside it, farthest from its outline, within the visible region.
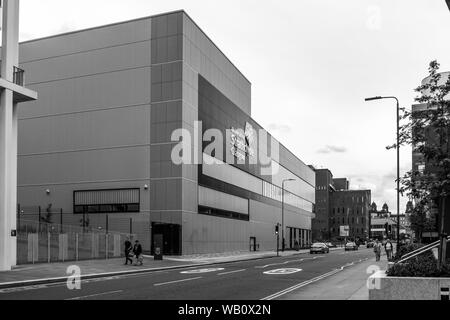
(311, 64)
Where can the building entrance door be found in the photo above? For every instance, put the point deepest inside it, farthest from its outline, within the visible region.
(171, 238)
(252, 243)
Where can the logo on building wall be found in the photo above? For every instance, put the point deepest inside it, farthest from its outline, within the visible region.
(242, 142)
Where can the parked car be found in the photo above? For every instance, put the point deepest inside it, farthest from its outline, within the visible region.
(351, 246)
(330, 245)
(319, 247)
(370, 244)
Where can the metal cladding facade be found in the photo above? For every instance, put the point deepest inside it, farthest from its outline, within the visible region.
(110, 99)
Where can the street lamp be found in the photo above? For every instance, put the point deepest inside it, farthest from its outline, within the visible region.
(398, 162)
(282, 213)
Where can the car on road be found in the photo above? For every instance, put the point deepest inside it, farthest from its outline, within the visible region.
(351, 246)
(330, 245)
(319, 247)
(370, 244)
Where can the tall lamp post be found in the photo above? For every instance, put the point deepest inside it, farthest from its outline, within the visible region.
(283, 243)
(398, 162)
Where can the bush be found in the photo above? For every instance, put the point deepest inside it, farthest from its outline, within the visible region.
(423, 265)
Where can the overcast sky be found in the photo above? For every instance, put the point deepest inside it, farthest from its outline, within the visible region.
(311, 64)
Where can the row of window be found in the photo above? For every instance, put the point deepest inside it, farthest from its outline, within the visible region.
(338, 220)
(352, 230)
(274, 192)
(107, 208)
(222, 213)
(106, 201)
(348, 210)
(219, 170)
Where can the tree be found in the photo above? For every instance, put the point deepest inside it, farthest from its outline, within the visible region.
(427, 131)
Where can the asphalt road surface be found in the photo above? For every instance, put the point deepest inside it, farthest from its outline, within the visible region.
(249, 280)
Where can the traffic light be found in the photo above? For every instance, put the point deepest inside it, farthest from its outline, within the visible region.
(386, 228)
(390, 228)
(276, 229)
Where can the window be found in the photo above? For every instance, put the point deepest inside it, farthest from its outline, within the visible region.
(222, 213)
(106, 201)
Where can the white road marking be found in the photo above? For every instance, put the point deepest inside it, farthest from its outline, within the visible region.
(300, 285)
(305, 283)
(204, 270)
(170, 282)
(95, 295)
(286, 262)
(283, 271)
(223, 273)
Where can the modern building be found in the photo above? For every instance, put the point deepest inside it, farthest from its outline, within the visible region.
(337, 205)
(101, 142)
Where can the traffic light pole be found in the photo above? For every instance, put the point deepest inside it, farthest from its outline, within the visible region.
(278, 244)
(278, 238)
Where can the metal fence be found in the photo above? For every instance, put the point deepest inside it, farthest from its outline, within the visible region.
(40, 242)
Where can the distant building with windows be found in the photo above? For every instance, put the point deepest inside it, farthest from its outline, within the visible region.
(337, 205)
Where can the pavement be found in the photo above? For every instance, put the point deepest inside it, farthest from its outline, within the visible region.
(228, 278)
(348, 284)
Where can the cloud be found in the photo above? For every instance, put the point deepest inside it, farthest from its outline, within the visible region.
(284, 128)
(332, 149)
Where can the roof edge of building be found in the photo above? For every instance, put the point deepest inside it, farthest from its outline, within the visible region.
(139, 19)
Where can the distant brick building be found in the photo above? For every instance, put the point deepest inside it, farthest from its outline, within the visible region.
(337, 206)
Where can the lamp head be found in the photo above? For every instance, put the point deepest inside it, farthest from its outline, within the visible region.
(373, 98)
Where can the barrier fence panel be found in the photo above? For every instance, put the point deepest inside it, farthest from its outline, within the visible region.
(39, 242)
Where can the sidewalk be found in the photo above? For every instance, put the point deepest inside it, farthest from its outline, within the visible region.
(56, 272)
(348, 284)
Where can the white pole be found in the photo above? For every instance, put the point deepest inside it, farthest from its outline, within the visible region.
(8, 136)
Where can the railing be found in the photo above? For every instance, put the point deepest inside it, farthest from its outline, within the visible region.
(421, 250)
(18, 75)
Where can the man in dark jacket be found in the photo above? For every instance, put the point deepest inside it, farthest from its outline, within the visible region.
(128, 247)
(137, 250)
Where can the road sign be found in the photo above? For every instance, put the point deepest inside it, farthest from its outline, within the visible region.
(344, 231)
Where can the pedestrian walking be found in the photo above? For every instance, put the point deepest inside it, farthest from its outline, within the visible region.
(388, 247)
(128, 255)
(377, 250)
(137, 250)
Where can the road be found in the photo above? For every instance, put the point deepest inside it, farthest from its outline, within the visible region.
(248, 280)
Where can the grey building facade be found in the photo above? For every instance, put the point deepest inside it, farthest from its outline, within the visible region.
(98, 143)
